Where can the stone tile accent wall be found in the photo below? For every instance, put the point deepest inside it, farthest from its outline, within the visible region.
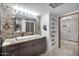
(0, 19)
(7, 21)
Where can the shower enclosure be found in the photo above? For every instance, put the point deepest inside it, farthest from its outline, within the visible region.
(69, 33)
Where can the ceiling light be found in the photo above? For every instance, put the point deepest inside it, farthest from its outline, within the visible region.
(55, 5)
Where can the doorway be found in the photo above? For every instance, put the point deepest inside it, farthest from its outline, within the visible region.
(68, 33)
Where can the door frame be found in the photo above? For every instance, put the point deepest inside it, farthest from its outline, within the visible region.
(59, 33)
(60, 29)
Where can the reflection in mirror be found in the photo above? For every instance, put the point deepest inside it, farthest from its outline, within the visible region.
(18, 25)
(24, 26)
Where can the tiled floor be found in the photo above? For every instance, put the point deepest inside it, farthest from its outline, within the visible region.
(68, 48)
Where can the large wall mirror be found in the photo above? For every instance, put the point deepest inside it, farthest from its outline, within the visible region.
(24, 26)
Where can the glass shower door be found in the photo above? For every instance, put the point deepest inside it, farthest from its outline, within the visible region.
(69, 34)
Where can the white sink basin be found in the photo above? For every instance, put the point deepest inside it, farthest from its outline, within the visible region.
(27, 37)
(20, 39)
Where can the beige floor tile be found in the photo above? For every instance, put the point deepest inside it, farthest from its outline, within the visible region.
(68, 48)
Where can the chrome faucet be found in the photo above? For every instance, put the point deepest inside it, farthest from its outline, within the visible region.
(22, 34)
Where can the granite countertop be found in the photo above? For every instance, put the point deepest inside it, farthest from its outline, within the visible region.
(12, 41)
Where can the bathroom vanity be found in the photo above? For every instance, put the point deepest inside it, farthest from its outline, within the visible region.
(25, 29)
(31, 46)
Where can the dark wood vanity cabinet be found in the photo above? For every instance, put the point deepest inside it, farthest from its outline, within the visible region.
(27, 51)
(11, 50)
(33, 48)
(13, 53)
(28, 48)
(39, 47)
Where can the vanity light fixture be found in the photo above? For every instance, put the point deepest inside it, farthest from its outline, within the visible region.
(27, 11)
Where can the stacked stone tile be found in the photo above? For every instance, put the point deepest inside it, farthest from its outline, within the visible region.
(7, 21)
(0, 19)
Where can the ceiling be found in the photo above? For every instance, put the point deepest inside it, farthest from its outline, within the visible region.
(43, 8)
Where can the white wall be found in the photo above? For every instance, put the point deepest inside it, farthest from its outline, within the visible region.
(46, 20)
(56, 29)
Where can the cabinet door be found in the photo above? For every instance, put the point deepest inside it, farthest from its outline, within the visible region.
(13, 53)
(7, 50)
(39, 48)
(27, 51)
